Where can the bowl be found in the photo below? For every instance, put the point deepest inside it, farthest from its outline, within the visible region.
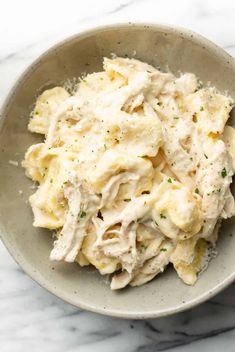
(167, 47)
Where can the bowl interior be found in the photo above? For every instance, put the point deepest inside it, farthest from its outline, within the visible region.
(84, 287)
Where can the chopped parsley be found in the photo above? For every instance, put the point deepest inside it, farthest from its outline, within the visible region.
(224, 173)
(101, 78)
(156, 223)
(191, 159)
(169, 180)
(36, 113)
(163, 249)
(159, 103)
(196, 191)
(201, 108)
(51, 180)
(162, 216)
(176, 117)
(82, 214)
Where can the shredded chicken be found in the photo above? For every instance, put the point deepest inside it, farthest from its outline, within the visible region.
(134, 172)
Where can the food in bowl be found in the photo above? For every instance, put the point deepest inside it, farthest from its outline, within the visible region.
(134, 172)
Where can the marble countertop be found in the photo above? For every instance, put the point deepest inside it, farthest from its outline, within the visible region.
(33, 319)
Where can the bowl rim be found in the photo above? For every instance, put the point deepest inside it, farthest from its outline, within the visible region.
(28, 269)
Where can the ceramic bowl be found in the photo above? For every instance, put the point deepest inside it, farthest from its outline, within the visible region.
(177, 49)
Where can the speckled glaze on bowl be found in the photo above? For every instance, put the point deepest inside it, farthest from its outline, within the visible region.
(178, 49)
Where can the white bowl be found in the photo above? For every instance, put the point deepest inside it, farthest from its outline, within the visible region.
(180, 50)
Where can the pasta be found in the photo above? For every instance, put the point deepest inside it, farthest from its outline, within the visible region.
(134, 172)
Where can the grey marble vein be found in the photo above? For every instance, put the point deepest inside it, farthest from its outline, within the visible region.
(124, 5)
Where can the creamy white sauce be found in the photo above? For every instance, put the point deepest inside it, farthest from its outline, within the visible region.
(133, 170)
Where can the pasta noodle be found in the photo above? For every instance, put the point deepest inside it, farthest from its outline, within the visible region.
(134, 172)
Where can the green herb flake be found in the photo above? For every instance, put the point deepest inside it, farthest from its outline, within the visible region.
(163, 249)
(162, 216)
(82, 214)
(201, 108)
(196, 191)
(159, 103)
(51, 180)
(169, 180)
(36, 113)
(224, 173)
(176, 117)
(156, 223)
(101, 78)
(191, 159)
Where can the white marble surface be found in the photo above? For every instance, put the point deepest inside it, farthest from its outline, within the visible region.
(31, 319)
